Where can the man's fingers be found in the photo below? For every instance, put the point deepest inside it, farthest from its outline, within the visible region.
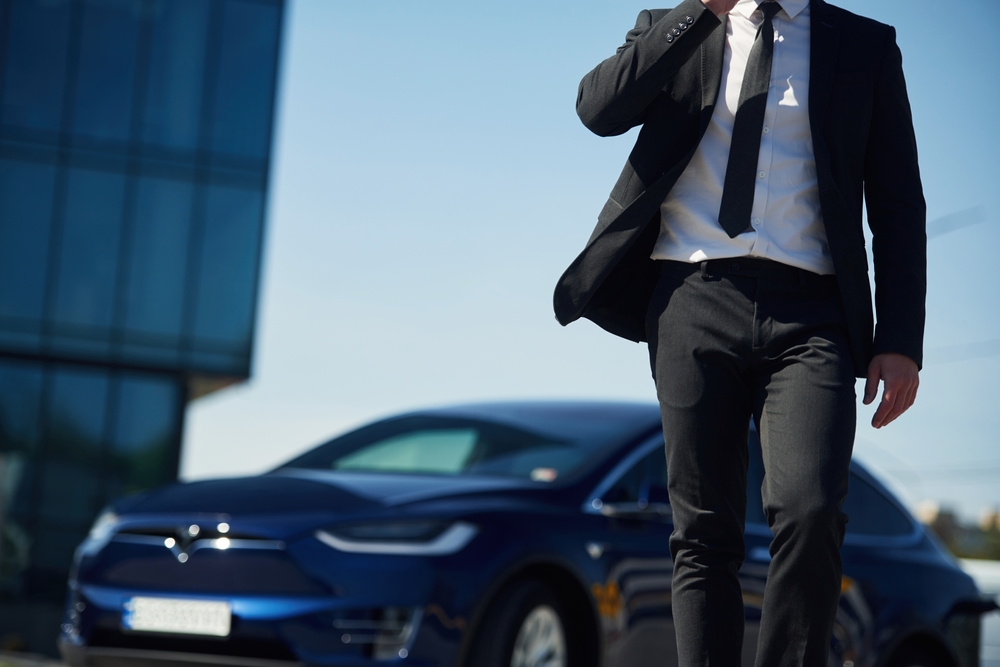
(885, 408)
(896, 399)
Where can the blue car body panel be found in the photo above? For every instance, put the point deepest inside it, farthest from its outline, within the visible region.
(295, 599)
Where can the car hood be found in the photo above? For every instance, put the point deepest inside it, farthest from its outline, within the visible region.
(290, 490)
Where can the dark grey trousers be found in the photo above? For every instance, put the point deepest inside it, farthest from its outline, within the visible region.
(731, 339)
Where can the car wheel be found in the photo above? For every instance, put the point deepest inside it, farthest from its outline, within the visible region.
(525, 627)
(915, 656)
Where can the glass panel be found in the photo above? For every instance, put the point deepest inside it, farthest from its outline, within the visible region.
(71, 493)
(146, 439)
(106, 71)
(628, 486)
(173, 94)
(442, 451)
(89, 249)
(76, 415)
(656, 475)
(423, 444)
(227, 279)
(755, 479)
(871, 513)
(15, 541)
(20, 402)
(36, 60)
(25, 219)
(243, 96)
(52, 556)
(158, 257)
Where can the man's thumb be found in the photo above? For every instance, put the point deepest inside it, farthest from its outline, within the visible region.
(871, 383)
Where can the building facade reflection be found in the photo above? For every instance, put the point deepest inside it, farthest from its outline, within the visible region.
(134, 154)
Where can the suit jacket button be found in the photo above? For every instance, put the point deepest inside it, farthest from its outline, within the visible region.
(689, 20)
(676, 32)
(670, 38)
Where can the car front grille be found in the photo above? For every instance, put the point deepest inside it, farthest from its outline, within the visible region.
(144, 562)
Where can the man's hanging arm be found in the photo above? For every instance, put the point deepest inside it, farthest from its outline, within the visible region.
(897, 217)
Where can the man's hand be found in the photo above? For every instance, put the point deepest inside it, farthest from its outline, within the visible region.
(719, 7)
(901, 380)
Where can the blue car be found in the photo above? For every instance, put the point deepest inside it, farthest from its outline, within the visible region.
(511, 534)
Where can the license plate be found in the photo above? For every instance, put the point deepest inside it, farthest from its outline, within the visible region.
(188, 617)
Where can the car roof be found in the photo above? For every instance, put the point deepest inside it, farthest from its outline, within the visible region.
(556, 415)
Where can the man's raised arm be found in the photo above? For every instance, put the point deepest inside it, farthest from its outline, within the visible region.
(614, 95)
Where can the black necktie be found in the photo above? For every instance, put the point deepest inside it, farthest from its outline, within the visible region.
(741, 172)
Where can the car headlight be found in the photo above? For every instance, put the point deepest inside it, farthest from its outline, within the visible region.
(100, 533)
(409, 538)
(104, 526)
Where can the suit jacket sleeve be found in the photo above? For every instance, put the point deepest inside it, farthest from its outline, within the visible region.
(613, 96)
(896, 214)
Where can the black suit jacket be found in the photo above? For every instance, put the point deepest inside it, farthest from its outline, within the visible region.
(862, 139)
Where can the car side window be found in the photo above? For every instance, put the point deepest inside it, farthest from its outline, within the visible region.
(644, 483)
(628, 486)
(755, 477)
(871, 513)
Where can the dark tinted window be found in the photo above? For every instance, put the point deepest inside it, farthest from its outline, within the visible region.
(755, 477)
(20, 402)
(142, 445)
(871, 513)
(176, 73)
(228, 264)
(88, 261)
(645, 482)
(106, 69)
(246, 78)
(452, 446)
(34, 78)
(158, 256)
(25, 219)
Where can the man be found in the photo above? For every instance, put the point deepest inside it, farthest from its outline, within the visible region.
(733, 244)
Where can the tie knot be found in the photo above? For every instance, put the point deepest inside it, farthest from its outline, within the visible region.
(770, 9)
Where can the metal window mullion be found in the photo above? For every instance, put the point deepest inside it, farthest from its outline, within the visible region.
(140, 80)
(199, 201)
(62, 175)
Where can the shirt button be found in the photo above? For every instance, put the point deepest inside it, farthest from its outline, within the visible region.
(756, 222)
(762, 174)
(766, 130)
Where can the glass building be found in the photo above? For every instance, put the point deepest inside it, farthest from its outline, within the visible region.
(134, 149)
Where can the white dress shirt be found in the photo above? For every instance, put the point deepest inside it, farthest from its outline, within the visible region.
(786, 224)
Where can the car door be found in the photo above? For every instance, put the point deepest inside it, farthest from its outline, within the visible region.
(634, 599)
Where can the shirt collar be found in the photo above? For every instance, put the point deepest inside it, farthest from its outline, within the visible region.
(791, 7)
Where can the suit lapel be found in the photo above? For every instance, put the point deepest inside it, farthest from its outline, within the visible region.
(825, 43)
(713, 51)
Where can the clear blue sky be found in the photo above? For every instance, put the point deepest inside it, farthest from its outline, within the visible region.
(431, 181)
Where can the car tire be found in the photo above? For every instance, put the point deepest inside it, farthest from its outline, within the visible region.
(916, 656)
(526, 626)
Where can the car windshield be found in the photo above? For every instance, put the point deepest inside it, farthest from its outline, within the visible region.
(447, 445)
